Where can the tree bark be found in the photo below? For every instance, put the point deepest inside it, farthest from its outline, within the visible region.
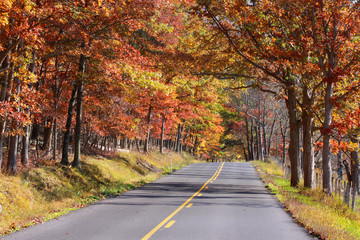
(5, 79)
(12, 156)
(348, 185)
(137, 144)
(178, 138)
(162, 137)
(260, 146)
(270, 137)
(264, 143)
(26, 137)
(257, 143)
(195, 146)
(354, 175)
(326, 161)
(294, 145)
(25, 145)
(66, 138)
(147, 140)
(56, 97)
(308, 157)
(252, 148)
(283, 137)
(47, 137)
(248, 138)
(79, 100)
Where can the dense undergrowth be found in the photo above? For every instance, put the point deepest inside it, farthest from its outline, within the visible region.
(39, 194)
(322, 215)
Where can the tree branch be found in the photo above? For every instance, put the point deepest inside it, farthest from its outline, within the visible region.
(231, 41)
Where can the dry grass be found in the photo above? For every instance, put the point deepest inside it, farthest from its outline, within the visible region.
(46, 192)
(324, 216)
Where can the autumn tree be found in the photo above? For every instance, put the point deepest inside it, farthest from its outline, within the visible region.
(300, 54)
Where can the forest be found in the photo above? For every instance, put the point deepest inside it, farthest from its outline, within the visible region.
(218, 79)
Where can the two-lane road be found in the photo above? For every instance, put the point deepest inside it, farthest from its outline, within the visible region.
(201, 201)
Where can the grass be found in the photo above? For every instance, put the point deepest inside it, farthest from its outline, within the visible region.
(47, 192)
(324, 216)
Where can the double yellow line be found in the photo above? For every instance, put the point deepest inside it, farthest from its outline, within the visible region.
(155, 229)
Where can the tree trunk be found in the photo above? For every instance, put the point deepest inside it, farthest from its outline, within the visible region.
(348, 185)
(5, 82)
(283, 137)
(94, 141)
(257, 143)
(137, 144)
(66, 138)
(79, 99)
(25, 145)
(115, 144)
(131, 144)
(178, 138)
(270, 137)
(26, 137)
(56, 97)
(55, 136)
(326, 161)
(248, 138)
(347, 194)
(184, 145)
(308, 157)
(340, 164)
(354, 176)
(264, 143)
(47, 138)
(103, 144)
(195, 146)
(147, 140)
(294, 145)
(260, 147)
(245, 155)
(252, 148)
(162, 137)
(12, 156)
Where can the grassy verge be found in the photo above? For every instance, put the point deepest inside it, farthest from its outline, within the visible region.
(49, 191)
(324, 216)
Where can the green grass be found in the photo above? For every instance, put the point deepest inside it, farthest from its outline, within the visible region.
(324, 216)
(47, 192)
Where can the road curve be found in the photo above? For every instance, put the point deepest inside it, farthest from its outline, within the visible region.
(201, 201)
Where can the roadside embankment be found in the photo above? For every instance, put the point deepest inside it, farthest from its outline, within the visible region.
(324, 216)
(41, 193)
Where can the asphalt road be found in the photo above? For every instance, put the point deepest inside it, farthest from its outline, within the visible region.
(201, 201)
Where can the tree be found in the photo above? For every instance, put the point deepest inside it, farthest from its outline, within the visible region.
(293, 52)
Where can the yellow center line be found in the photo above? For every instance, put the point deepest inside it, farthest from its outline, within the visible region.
(155, 229)
(170, 224)
(189, 205)
(218, 172)
(200, 195)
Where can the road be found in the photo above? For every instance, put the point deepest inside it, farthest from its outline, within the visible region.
(201, 201)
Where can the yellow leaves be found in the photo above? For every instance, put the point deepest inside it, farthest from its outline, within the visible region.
(146, 79)
(158, 26)
(4, 20)
(5, 5)
(26, 77)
